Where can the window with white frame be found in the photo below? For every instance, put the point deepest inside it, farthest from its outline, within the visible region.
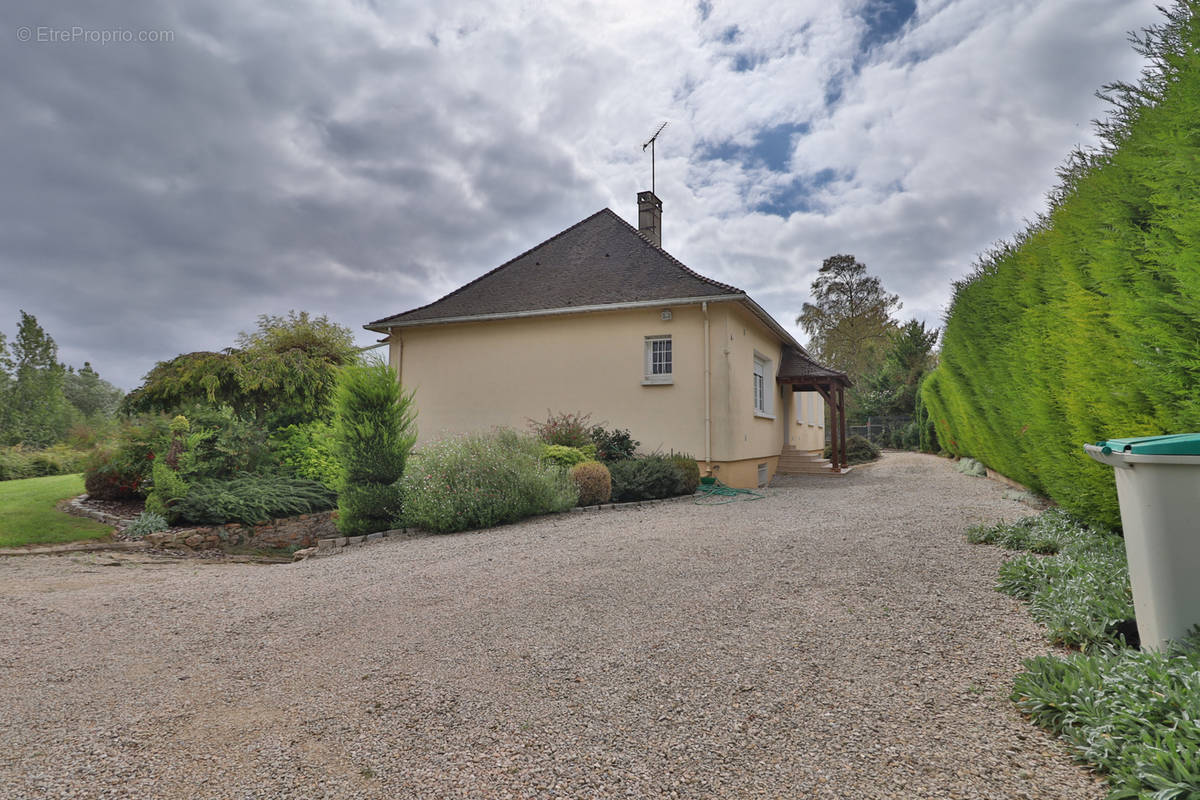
(763, 386)
(659, 360)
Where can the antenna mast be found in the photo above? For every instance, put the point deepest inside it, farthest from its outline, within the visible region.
(650, 143)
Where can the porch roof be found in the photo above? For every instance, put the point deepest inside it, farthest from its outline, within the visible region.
(799, 369)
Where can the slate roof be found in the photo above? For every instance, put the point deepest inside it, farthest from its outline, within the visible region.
(796, 363)
(600, 260)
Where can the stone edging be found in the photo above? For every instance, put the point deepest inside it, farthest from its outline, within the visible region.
(635, 504)
(332, 546)
(72, 547)
(76, 508)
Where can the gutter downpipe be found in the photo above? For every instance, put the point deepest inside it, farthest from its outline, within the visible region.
(707, 392)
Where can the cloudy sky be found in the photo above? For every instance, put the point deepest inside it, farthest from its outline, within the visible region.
(215, 160)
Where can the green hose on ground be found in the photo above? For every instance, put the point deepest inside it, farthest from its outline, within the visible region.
(717, 493)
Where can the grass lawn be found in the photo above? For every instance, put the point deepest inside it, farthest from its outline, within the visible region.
(28, 515)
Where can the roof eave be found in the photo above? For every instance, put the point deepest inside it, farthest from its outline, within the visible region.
(772, 323)
(385, 325)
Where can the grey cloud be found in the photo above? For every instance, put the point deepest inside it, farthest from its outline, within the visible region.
(159, 197)
(359, 160)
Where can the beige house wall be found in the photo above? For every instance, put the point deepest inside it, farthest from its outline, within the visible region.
(747, 436)
(478, 375)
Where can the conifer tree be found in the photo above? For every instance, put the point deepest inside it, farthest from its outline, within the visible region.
(373, 434)
(38, 412)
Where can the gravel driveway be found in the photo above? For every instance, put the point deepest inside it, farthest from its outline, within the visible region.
(838, 639)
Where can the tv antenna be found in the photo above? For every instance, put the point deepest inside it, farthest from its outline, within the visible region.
(650, 143)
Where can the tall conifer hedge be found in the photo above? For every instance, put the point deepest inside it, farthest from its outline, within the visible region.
(1087, 325)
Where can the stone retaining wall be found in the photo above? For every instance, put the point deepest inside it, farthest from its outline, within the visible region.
(302, 531)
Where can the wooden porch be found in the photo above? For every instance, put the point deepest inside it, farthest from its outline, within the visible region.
(799, 371)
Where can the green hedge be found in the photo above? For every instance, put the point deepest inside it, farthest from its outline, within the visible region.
(1086, 327)
(18, 462)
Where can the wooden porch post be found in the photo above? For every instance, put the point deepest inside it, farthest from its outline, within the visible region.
(830, 398)
(833, 428)
(842, 414)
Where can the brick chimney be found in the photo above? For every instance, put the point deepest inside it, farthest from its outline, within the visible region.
(650, 217)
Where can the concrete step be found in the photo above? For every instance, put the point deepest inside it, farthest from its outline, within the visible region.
(800, 455)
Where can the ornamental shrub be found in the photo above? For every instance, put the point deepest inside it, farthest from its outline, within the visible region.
(307, 451)
(373, 433)
(167, 484)
(593, 481)
(282, 373)
(647, 478)
(689, 469)
(569, 430)
(122, 469)
(168, 488)
(565, 457)
(614, 445)
(481, 480)
(251, 499)
(221, 443)
(859, 450)
(144, 523)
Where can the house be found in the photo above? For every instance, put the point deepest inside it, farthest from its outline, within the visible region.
(599, 319)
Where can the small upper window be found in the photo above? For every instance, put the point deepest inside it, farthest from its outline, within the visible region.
(659, 361)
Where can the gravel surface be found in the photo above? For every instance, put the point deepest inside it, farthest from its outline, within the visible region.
(838, 639)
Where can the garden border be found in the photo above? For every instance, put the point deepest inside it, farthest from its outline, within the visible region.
(201, 538)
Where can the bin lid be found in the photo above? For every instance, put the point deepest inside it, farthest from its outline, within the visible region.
(1172, 444)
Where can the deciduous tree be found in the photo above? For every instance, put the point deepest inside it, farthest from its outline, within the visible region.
(849, 320)
(91, 395)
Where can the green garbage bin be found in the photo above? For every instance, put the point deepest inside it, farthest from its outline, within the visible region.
(1158, 487)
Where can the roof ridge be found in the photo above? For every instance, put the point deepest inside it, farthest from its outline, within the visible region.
(465, 286)
(673, 259)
